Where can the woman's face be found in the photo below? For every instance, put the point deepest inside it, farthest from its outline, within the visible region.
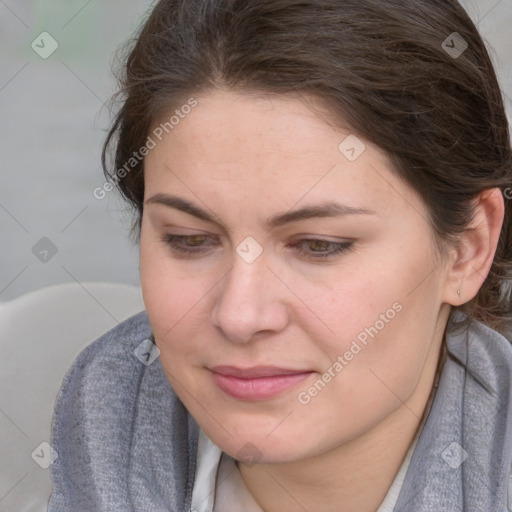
(298, 301)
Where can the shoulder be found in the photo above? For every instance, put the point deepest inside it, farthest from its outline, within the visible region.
(115, 346)
(102, 382)
(117, 420)
(108, 361)
(487, 357)
(484, 352)
(105, 375)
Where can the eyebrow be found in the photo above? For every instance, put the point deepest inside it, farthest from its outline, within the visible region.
(329, 209)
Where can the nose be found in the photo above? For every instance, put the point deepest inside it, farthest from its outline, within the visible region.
(251, 301)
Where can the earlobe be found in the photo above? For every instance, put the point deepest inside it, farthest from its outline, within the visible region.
(474, 253)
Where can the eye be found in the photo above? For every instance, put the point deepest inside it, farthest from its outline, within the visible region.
(310, 248)
(187, 244)
(313, 248)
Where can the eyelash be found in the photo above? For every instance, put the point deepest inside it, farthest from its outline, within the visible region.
(174, 241)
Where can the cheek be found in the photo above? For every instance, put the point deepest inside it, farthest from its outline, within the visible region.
(354, 308)
(381, 324)
(176, 304)
(166, 295)
(368, 381)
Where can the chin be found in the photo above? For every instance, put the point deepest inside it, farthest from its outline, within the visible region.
(248, 438)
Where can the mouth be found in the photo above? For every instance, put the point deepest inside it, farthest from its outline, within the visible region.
(258, 382)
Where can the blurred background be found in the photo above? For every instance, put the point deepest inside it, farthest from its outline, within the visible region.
(55, 83)
(54, 114)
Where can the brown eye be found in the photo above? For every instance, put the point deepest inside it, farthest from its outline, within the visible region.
(188, 244)
(319, 245)
(195, 240)
(312, 248)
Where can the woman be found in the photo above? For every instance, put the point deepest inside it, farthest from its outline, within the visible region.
(321, 191)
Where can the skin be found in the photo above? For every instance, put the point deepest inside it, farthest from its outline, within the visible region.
(244, 158)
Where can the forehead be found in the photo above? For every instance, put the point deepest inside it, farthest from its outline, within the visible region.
(269, 152)
(228, 127)
(224, 119)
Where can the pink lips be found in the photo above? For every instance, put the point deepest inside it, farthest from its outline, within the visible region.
(256, 383)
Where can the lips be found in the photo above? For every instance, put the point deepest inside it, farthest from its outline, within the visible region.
(258, 382)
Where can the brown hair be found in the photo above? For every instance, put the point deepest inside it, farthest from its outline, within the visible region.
(384, 66)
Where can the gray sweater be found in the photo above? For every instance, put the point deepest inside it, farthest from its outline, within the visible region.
(127, 444)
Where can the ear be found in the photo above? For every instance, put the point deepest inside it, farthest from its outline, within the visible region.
(472, 257)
